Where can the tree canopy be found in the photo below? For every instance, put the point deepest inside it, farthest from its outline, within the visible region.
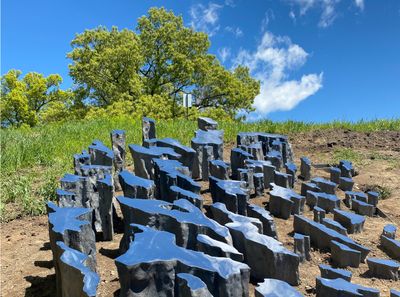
(161, 57)
(31, 98)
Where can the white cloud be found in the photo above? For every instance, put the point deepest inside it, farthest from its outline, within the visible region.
(205, 18)
(230, 3)
(224, 53)
(271, 63)
(268, 17)
(328, 9)
(235, 31)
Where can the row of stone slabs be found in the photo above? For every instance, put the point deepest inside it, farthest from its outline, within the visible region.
(120, 174)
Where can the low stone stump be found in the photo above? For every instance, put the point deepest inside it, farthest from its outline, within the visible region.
(352, 195)
(275, 157)
(220, 169)
(346, 183)
(282, 179)
(319, 214)
(230, 192)
(206, 124)
(363, 208)
(74, 277)
(339, 287)
(269, 175)
(265, 217)
(382, 268)
(391, 247)
(352, 222)
(217, 248)
(302, 246)
(255, 149)
(335, 173)
(148, 129)
(266, 256)
(153, 259)
(80, 160)
(136, 187)
(346, 168)
(284, 202)
(179, 193)
(327, 202)
(343, 256)
(238, 158)
(373, 198)
(191, 286)
(333, 273)
(258, 180)
(275, 288)
(100, 154)
(335, 226)
(389, 231)
(321, 236)
(305, 168)
(308, 187)
(291, 169)
(325, 185)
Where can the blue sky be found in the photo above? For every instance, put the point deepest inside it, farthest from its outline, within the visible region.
(318, 60)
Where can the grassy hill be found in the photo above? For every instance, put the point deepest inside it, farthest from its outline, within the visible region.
(32, 160)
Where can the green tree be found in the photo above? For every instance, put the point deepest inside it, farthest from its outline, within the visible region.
(162, 57)
(24, 100)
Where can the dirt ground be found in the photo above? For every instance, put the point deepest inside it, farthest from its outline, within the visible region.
(26, 259)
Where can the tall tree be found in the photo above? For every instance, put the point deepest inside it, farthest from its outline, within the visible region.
(23, 100)
(163, 57)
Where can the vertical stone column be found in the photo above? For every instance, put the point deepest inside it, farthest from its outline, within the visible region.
(118, 141)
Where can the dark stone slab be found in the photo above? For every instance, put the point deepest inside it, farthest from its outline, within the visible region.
(106, 210)
(276, 159)
(181, 218)
(343, 256)
(319, 214)
(382, 268)
(259, 187)
(269, 175)
(327, 202)
(219, 169)
(340, 288)
(346, 183)
(394, 293)
(255, 149)
(81, 159)
(118, 142)
(334, 225)
(389, 231)
(191, 286)
(170, 173)
(266, 256)
(180, 193)
(391, 247)
(291, 169)
(305, 168)
(325, 185)
(136, 187)
(217, 248)
(373, 198)
(321, 236)
(282, 179)
(187, 154)
(206, 124)
(302, 246)
(143, 158)
(231, 193)
(354, 223)
(363, 208)
(275, 288)
(346, 168)
(333, 273)
(353, 195)
(222, 215)
(238, 157)
(148, 128)
(75, 278)
(247, 176)
(153, 259)
(309, 187)
(265, 217)
(335, 174)
(284, 202)
(100, 154)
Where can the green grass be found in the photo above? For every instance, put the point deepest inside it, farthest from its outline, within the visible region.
(32, 160)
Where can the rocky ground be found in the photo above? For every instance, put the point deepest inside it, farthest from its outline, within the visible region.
(26, 259)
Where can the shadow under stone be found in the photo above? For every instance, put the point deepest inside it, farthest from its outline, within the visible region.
(45, 264)
(41, 286)
(109, 253)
